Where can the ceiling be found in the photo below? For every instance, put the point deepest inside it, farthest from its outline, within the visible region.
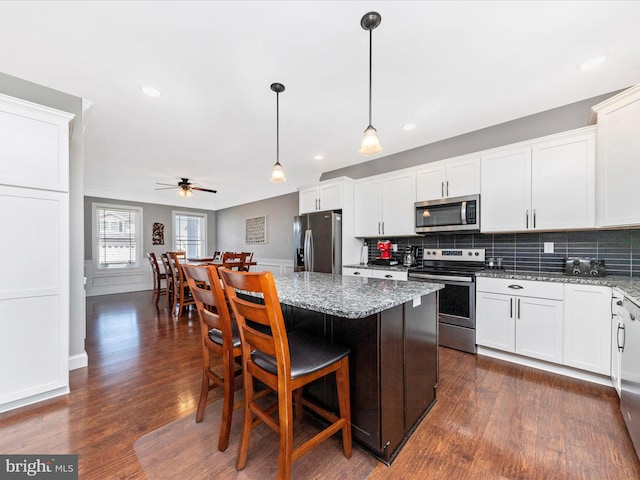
(450, 67)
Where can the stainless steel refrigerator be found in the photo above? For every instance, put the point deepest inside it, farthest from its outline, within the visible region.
(317, 242)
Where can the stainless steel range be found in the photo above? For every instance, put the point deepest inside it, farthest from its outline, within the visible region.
(455, 268)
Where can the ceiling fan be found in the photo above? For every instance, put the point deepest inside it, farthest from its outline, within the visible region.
(185, 188)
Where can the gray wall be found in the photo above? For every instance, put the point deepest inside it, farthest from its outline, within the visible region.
(41, 95)
(568, 117)
(151, 213)
(279, 212)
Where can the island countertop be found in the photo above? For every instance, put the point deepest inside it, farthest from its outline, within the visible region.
(346, 296)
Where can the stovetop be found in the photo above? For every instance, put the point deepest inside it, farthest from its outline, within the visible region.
(451, 262)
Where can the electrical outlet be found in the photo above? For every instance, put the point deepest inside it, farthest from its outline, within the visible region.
(548, 247)
(394, 247)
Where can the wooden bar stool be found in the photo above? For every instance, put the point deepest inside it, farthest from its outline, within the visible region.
(220, 339)
(285, 363)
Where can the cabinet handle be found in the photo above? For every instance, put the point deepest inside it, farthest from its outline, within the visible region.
(319, 204)
(527, 219)
(447, 188)
(442, 188)
(316, 204)
(518, 309)
(516, 286)
(383, 228)
(511, 307)
(378, 228)
(356, 273)
(624, 337)
(534, 218)
(388, 275)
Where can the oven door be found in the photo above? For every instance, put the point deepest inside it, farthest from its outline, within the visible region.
(457, 304)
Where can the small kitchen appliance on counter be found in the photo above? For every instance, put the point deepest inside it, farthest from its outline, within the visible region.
(409, 258)
(591, 267)
(385, 258)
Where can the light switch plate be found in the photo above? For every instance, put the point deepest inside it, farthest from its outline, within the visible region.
(548, 247)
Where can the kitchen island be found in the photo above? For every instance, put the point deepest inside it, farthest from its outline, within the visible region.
(391, 328)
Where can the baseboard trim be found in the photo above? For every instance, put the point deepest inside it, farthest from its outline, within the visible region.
(78, 361)
(546, 366)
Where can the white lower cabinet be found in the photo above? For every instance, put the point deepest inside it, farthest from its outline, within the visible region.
(617, 339)
(565, 324)
(356, 272)
(373, 273)
(587, 327)
(390, 274)
(523, 317)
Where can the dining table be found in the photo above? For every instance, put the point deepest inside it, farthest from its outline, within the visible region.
(213, 261)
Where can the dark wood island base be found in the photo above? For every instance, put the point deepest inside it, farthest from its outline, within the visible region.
(393, 369)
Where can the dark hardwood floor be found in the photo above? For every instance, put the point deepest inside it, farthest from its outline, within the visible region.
(493, 420)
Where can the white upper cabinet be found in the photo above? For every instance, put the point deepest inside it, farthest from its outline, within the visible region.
(322, 196)
(505, 193)
(618, 151)
(384, 205)
(548, 184)
(448, 178)
(34, 164)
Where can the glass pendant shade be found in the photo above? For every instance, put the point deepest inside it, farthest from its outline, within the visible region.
(370, 142)
(277, 174)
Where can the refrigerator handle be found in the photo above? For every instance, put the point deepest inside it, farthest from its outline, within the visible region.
(308, 251)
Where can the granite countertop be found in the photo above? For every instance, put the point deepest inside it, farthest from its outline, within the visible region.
(370, 266)
(629, 286)
(346, 296)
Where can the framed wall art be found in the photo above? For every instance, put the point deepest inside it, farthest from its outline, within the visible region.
(157, 234)
(256, 230)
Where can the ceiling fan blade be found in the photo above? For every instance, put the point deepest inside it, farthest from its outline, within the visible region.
(204, 189)
(165, 188)
(167, 184)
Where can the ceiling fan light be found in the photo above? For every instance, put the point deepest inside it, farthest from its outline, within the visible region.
(185, 192)
(370, 142)
(277, 174)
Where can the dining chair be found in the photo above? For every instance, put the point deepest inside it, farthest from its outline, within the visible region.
(233, 261)
(285, 362)
(158, 278)
(170, 281)
(217, 255)
(220, 340)
(248, 258)
(182, 297)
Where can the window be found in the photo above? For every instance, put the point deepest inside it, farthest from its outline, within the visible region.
(190, 234)
(117, 236)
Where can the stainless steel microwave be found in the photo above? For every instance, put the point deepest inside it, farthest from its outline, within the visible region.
(457, 214)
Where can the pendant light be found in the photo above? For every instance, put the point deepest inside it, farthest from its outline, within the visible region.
(277, 175)
(370, 142)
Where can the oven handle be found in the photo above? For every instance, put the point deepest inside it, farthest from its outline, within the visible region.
(443, 278)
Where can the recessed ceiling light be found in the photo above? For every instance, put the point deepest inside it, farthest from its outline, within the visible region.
(409, 126)
(152, 92)
(592, 62)
(319, 157)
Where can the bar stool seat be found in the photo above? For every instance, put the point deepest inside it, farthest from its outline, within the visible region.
(308, 355)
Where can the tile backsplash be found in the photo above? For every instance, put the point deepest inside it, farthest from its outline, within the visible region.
(524, 252)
